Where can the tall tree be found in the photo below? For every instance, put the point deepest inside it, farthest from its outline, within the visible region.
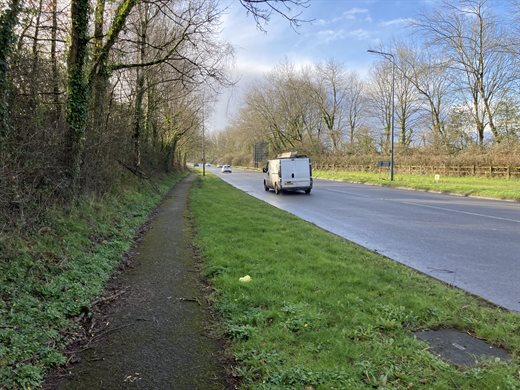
(355, 104)
(478, 50)
(330, 96)
(79, 85)
(77, 93)
(7, 33)
(54, 64)
(379, 93)
(407, 102)
(430, 77)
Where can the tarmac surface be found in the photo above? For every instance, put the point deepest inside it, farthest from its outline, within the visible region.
(158, 335)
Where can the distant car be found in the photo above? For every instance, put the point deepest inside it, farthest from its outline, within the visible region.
(226, 169)
(195, 164)
(219, 165)
(208, 164)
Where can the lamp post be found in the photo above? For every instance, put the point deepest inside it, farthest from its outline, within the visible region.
(392, 60)
(203, 140)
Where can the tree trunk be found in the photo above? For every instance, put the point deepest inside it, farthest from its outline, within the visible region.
(491, 121)
(54, 60)
(99, 82)
(7, 25)
(140, 90)
(151, 127)
(435, 123)
(478, 123)
(77, 99)
(78, 88)
(138, 117)
(170, 157)
(35, 60)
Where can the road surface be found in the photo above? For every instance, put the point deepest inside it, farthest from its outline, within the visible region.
(470, 243)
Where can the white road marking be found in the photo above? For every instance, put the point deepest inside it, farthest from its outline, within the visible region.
(461, 212)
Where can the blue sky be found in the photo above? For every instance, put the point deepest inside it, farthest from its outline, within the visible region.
(342, 30)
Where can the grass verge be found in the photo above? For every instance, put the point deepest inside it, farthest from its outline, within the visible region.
(321, 312)
(475, 186)
(50, 274)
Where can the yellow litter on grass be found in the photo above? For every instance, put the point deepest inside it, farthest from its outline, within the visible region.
(245, 279)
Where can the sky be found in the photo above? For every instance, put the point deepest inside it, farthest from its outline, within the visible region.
(342, 30)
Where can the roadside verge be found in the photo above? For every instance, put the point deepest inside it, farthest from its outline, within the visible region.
(306, 308)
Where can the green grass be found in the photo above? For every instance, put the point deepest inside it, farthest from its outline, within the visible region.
(326, 313)
(47, 275)
(476, 186)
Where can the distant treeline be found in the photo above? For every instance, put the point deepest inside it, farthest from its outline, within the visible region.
(456, 85)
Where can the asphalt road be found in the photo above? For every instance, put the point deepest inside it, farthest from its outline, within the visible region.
(470, 243)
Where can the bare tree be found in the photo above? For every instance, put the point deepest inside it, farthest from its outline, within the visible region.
(477, 49)
(55, 79)
(77, 91)
(431, 79)
(330, 95)
(380, 100)
(407, 102)
(175, 44)
(262, 10)
(355, 102)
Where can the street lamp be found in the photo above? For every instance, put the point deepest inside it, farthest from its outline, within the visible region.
(203, 151)
(203, 140)
(391, 57)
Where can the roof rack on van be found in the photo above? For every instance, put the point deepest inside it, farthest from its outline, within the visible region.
(290, 155)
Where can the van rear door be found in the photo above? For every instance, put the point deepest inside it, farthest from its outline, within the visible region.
(296, 173)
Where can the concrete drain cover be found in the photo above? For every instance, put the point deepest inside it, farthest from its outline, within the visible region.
(460, 348)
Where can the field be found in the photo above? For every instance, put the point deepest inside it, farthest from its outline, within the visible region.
(466, 186)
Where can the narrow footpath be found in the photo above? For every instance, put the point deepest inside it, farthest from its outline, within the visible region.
(157, 335)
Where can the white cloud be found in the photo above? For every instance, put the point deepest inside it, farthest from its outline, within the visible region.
(397, 22)
(251, 67)
(359, 34)
(342, 30)
(240, 29)
(351, 14)
(327, 36)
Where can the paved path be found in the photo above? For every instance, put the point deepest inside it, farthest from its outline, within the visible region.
(156, 337)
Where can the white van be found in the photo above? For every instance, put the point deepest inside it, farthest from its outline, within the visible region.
(288, 172)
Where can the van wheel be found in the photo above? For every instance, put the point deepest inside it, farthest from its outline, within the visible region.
(276, 189)
(265, 187)
(308, 191)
